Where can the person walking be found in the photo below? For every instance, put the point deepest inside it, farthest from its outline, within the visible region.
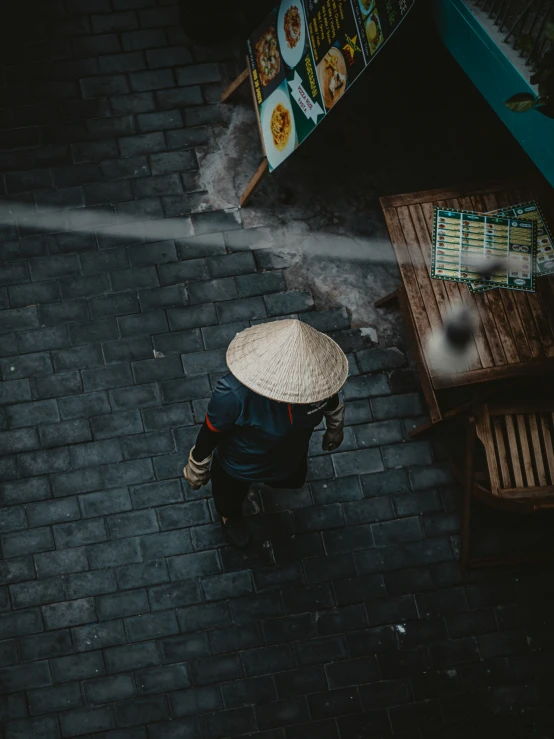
(284, 379)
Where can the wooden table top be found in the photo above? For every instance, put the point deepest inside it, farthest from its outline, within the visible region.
(516, 329)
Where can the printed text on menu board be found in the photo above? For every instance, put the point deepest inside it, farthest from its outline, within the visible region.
(465, 242)
(305, 56)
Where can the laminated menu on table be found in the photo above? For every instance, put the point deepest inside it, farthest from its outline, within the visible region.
(544, 243)
(464, 243)
(544, 251)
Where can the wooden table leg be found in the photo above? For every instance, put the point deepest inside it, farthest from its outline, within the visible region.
(235, 84)
(390, 298)
(256, 177)
(446, 416)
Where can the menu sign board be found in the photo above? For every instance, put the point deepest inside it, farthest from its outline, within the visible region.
(304, 58)
(465, 243)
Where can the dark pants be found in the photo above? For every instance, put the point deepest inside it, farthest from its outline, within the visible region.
(229, 493)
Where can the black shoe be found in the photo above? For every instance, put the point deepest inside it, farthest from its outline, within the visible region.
(235, 530)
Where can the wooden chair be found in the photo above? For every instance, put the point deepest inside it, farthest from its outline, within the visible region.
(518, 442)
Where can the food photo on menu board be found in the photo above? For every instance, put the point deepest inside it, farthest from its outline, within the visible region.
(378, 19)
(305, 56)
(336, 45)
(283, 70)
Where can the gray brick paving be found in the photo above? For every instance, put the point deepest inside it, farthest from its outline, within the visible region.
(123, 615)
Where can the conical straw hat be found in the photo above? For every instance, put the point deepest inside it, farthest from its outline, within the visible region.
(288, 361)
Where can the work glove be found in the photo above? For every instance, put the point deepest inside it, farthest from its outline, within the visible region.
(333, 436)
(197, 473)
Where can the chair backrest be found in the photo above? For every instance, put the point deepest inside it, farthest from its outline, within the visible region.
(519, 446)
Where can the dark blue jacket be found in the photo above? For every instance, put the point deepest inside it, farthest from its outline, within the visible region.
(261, 439)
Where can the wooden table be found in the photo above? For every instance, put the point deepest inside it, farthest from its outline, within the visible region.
(516, 330)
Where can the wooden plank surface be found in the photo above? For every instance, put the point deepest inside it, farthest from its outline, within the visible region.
(510, 302)
(530, 407)
(514, 452)
(537, 449)
(453, 290)
(501, 372)
(486, 432)
(525, 451)
(544, 331)
(522, 301)
(460, 290)
(544, 493)
(530, 327)
(429, 196)
(422, 282)
(483, 349)
(491, 331)
(408, 275)
(413, 311)
(511, 299)
(421, 239)
(542, 307)
(550, 315)
(502, 456)
(545, 421)
(517, 309)
(417, 353)
(493, 337)
(493, 300)
(436, 299)
(472, 302)
(541, 303)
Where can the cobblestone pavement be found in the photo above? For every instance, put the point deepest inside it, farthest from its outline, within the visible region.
(122, 613)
